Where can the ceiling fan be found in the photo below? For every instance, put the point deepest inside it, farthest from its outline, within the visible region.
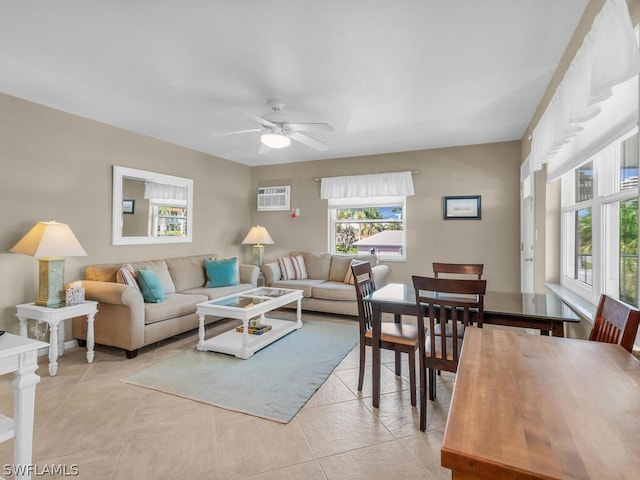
(278, 133)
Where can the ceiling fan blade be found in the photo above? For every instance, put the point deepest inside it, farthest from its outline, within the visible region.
(262, 121)
(263, 149)
(236, 132)
(308, 141)
(309, 127)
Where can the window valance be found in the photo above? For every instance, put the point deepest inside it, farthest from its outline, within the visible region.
(374, 185)
(163, 191)
(607, 58)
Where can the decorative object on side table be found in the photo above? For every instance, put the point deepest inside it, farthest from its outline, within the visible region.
(74, 294)
(50, 242)
(258, 237)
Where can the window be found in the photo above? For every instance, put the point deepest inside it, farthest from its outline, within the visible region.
(367, 213)
(584, 251)
(628, 228)
(368, 225)
(167, 220)
(600, 223)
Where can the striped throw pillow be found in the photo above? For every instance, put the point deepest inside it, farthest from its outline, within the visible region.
(127, 276)
(348, 278)
(293, 268)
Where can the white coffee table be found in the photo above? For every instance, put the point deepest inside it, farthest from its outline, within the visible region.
(245, 306)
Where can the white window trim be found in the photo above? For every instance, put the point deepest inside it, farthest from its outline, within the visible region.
(358, 202)
(598, 205)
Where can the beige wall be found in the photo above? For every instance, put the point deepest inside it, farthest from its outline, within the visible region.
(490, 170)
(59, 166)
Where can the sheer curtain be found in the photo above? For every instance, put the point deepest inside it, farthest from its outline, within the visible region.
(365, 186)
(162, 191)
(601, 78)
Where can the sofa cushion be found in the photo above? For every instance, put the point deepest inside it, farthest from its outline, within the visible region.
(335, 291)
(340, 265)
(221, 273)
(174, 305)
(317, 264)
(348, 278)
(150, 286)
(188, 272)
(127, 276)
(161, 269)
(218, 292)
(102, 273)
(293, 268)
(305, 285)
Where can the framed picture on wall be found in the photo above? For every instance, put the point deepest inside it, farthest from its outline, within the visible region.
(128, 204)
(461, 208)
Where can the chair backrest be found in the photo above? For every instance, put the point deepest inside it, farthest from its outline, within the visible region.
(615, 322)
(365, 285)
(441, 300)
(458, 268)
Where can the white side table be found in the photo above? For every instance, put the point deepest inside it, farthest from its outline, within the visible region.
(20, 356)
(55, 318)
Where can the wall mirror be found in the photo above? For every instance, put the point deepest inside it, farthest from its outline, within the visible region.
(150, 207)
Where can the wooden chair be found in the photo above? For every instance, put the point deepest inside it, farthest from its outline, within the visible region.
(615, 322)
(400, 338)
(441, 300)
(458, 269)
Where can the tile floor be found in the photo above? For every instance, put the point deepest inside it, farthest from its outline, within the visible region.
(86, 419)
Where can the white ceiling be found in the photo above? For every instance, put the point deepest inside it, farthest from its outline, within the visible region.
(390, 76)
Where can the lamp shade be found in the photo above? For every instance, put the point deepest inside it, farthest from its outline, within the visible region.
(275, 140)
(258, 236)
(49, 239)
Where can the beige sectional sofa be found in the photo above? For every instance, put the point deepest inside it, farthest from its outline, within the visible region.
(325, 290)
(125, 321)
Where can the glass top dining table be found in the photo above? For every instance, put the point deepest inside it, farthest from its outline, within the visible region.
(540, 311)
(543, 311)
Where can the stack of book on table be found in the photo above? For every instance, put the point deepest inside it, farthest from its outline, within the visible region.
(255, 328)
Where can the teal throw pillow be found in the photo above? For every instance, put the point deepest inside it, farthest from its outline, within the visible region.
(221, 273)
(150, 286)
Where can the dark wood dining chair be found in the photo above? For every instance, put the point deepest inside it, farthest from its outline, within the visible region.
(615, 322)
(438, 301)
(398, 337)
(475, 269)
(457, 269)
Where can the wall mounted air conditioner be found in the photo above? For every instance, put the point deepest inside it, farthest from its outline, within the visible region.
(271, 199)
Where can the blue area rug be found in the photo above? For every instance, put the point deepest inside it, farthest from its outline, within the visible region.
(274, 383)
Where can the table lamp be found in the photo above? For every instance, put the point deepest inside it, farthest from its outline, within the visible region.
(258, 236)
(50, 242)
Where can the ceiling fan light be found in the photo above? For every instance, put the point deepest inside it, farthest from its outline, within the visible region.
(275, 140)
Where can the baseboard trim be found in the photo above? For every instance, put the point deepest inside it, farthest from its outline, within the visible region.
(45, 351)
